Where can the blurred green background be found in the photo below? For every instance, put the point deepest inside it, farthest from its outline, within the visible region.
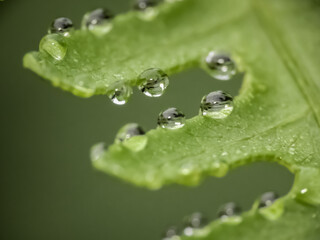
(49, 189)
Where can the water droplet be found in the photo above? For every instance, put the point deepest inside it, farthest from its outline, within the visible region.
(128, 131)
(229, 210)
(171, 233)
(146, 8)
(54, 45)
(145, 4)
(271, 209)
(97, 151)
(220, 65)
(172, 118)
(267, 199)
(61, 25)
(195, 221)
(217, 105)
(153, 82)
(98, 21)
(120, 93)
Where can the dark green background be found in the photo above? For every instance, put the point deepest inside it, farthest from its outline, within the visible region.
(49, 189)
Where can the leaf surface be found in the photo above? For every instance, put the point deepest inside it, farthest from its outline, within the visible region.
(276, 44)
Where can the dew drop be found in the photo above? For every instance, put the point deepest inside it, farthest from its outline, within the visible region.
(146, 8)
(217, 105)
(120, 93)
(97, 151)
(220, 65)
(153, 82)
(171, 234)
(229, 210)
(128, 131)
(195, 221)
(54, 45)
(98, 21)
(267, 199)
(61, 25)
(172, 118)
(145, 4)
(271, 209)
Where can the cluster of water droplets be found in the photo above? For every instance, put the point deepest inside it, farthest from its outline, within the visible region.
(229, 213)
(98, 21)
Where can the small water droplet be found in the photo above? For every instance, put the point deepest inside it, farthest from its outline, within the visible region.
(217, 105)
(128, 131)
(153, 82)
(146, 8)
(145, 4)
(61, 25)
(195, 221)
(172, 118)
(120, 93)
(97, 151)
(171, 233)
(229, 210)
(98, 21)
(220, 65)
(267, 199)
(270, 208)
(54, 45)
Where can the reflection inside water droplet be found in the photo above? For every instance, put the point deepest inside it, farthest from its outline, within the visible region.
(220, 65)
(97, 151)
(267, 199)
(61, 25)
(228, 210)
(217, 105)
(128, 131)
(172, 118)
(120, 93)
(153, 82)
(146, 9)
(194, 221)
(171, 234)
(98, 21)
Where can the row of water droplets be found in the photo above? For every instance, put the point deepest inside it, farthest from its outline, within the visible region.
(153, 82)
(229, 212)
(98, 21)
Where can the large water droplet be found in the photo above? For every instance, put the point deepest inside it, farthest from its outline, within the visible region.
(229, 210)
(170, 234)
(220, 65)
(120, 93)
(153, 82)
(172, 118)
(61, 25)
(128, 131)
(54, 45)
(267, 199)
(195, 221)
(98, 21)
(217, 105)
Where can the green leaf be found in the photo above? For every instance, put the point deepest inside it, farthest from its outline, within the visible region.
(276, 116)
